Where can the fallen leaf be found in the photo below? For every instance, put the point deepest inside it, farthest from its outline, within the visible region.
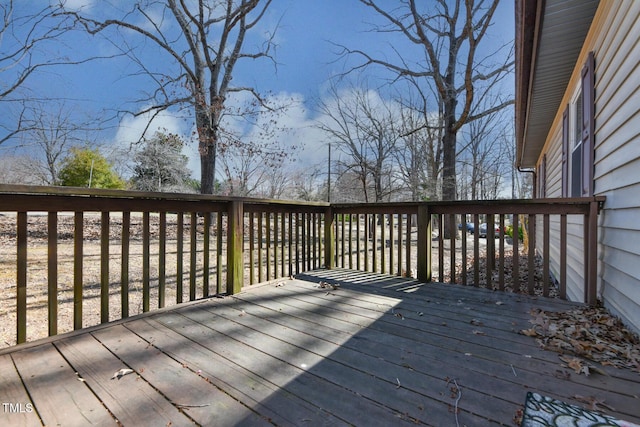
(563, 375)
(517, 417)
(594, 403)
(531, 332)
(576, 364)
(121, 373)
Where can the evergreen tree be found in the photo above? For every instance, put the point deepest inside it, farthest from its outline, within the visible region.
(86, 167)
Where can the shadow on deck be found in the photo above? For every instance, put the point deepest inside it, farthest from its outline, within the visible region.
(378, 350)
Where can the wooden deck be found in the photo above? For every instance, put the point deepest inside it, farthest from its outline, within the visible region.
(379, 350)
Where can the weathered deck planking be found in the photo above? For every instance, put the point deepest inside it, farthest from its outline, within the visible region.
(449, 353)
(248, 350)
(131, 401)
(203, 402)
(408, 392)
(379, 350)
(245, 386)
(67, 403)
(13, 393)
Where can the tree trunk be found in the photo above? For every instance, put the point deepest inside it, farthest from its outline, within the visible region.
(449, 161)
(208, 151)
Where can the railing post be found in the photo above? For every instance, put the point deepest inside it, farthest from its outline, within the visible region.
(591, 254)
(21, 279)
(78, 257)
(235, 236)
(424, 243)
(329, 239)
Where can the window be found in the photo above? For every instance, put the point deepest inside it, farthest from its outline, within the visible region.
(575, 145)
(578, 137)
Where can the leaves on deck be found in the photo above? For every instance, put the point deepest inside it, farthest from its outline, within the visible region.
(121, 373)
(593, 403)
(576, 364)
(326, 285)
(588, 332)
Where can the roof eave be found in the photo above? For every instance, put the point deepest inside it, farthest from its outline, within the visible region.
(549, 37)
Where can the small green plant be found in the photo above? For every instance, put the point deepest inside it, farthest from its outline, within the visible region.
(509, 232)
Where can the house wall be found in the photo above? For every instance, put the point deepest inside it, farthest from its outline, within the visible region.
(614, 38)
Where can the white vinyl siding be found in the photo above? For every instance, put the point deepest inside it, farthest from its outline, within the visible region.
(616, 47)
(617, 161)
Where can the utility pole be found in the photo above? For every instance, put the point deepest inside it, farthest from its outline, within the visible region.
(329, 176)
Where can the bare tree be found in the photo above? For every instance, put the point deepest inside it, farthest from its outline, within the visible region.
(477, 153)
(276, 183)
(18, 169)
(24, 36)
(253, 153)
(248, 165)
(202, 42)
(419, 153)
(449, 36)
(364, 128)
(50, 129)
(308, 184)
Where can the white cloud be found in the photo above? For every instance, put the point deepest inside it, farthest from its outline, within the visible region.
(77, 5)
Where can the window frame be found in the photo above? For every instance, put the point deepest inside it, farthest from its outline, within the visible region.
(578, 134)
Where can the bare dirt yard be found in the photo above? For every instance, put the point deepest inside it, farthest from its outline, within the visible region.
(37, 271)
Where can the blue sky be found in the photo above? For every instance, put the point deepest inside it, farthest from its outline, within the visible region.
(305, 54)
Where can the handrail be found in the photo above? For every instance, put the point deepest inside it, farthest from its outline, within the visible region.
(205, 245)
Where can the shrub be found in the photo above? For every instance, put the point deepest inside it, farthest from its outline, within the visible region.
(509, 232)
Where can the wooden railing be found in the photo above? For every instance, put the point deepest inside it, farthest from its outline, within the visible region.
(117, 253)
(80, 257)
(409, 239)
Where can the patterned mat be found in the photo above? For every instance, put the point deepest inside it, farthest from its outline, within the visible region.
(542, 411)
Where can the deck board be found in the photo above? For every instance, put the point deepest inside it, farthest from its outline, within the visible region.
(132, 401)
(199, 398)
(248, 388)
(265, 357)
(364, 375)
(14, 393)
(42, 369)
(450, 355)
(378, 350)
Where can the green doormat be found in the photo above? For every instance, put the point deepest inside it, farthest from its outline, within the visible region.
(542, 411)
